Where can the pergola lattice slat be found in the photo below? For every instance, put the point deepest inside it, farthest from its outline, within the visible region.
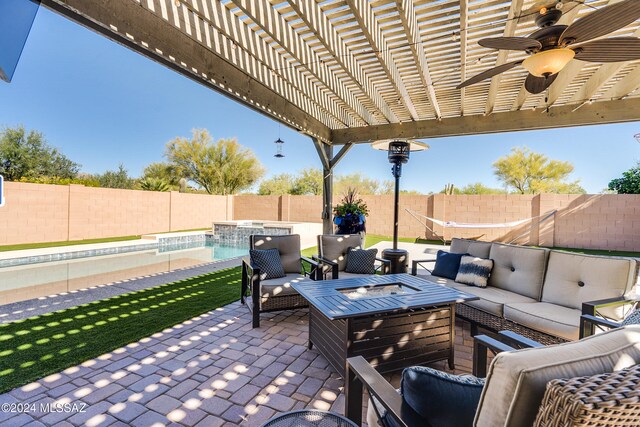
(312, 64)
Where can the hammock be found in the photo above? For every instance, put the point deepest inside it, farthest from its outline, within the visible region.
(453, 224)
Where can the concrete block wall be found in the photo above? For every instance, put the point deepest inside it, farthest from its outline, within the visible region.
(251, 206)
(45, 213)
(36, 213)
(107, 212)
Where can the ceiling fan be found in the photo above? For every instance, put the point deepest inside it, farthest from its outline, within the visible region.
(553, 46)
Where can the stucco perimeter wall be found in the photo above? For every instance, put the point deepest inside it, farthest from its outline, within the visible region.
(581, 221)
(45, 213)
(34, 213)
(48, 213)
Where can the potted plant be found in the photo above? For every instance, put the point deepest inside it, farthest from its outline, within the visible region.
(350, 214)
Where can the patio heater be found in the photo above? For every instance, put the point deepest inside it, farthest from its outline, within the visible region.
(398, 154)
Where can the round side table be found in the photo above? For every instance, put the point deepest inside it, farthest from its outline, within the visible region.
(309, 418)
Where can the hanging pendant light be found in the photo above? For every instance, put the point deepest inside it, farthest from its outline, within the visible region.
(279, 144)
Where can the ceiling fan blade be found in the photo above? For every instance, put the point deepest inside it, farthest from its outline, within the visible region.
(536, 85)
(616, 49)
(511, 43)
(489, 73)
(602, 21)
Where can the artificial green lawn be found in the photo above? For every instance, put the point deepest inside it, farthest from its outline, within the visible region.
(38, 346)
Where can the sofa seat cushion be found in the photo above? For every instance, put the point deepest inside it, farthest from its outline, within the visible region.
(516, 380)
(549, 318)
(281, 286)
(518, 269)
(492, 300)
(576, 278)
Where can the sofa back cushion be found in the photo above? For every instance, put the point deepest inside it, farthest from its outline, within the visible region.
(334, 247)
(576, 278)
(517, 380)
(474, 248)
(518, 269)
(288, 246)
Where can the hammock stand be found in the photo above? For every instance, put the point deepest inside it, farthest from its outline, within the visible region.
(451, 224)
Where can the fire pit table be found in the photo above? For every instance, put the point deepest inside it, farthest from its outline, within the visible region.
(393, 320)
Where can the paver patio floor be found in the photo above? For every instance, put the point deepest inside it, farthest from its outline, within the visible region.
(213, 370)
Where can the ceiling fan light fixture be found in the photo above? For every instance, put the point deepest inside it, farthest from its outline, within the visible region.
(548, 62)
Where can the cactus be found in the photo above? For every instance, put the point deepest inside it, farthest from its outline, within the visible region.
(449, 189)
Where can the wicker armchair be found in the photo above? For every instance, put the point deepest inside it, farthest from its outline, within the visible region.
(276, 294)
(524, 385)
(332, 255)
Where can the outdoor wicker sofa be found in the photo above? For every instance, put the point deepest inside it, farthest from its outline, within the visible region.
(541, 293)
(276, 294)
(591, 382)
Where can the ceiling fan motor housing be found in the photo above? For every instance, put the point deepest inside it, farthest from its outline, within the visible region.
(548, 18)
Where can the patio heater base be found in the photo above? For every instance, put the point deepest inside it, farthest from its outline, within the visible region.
(399, 259)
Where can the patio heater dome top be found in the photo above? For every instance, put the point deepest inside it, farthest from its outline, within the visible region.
(383, 144)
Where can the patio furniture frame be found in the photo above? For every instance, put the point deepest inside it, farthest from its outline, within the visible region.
(341, 328)
(608, 399)
(259, 304)
(333, 267)
(589, 319)
(360, 373)
(382, 268)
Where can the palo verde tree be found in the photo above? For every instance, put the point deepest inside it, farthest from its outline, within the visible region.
(28, 155)
(527, 172)
(223, 167)
(629, 183)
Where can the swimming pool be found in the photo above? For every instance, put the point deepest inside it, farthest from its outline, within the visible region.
(19, 283)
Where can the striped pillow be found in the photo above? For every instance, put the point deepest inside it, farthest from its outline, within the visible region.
(474, 271)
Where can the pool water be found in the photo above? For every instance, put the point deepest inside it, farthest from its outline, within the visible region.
(37, 280)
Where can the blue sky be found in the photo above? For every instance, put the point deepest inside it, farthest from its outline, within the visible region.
(104, 105)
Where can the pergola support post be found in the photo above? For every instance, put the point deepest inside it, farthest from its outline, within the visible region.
(329, 161)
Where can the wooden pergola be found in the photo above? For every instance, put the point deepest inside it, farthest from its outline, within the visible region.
(355, 71)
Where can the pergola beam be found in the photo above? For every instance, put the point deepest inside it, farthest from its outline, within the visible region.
(363, 14)
(411, 30)
(597, 113)
(464, 13)
(137, 28)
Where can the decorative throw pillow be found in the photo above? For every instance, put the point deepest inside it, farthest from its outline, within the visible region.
(474, 271)
(440, 398)
(632, 319)
(447, 264)
(361, 261)
(268, 261)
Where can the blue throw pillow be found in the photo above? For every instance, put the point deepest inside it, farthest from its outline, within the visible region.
(447, 264)
(442, 399)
